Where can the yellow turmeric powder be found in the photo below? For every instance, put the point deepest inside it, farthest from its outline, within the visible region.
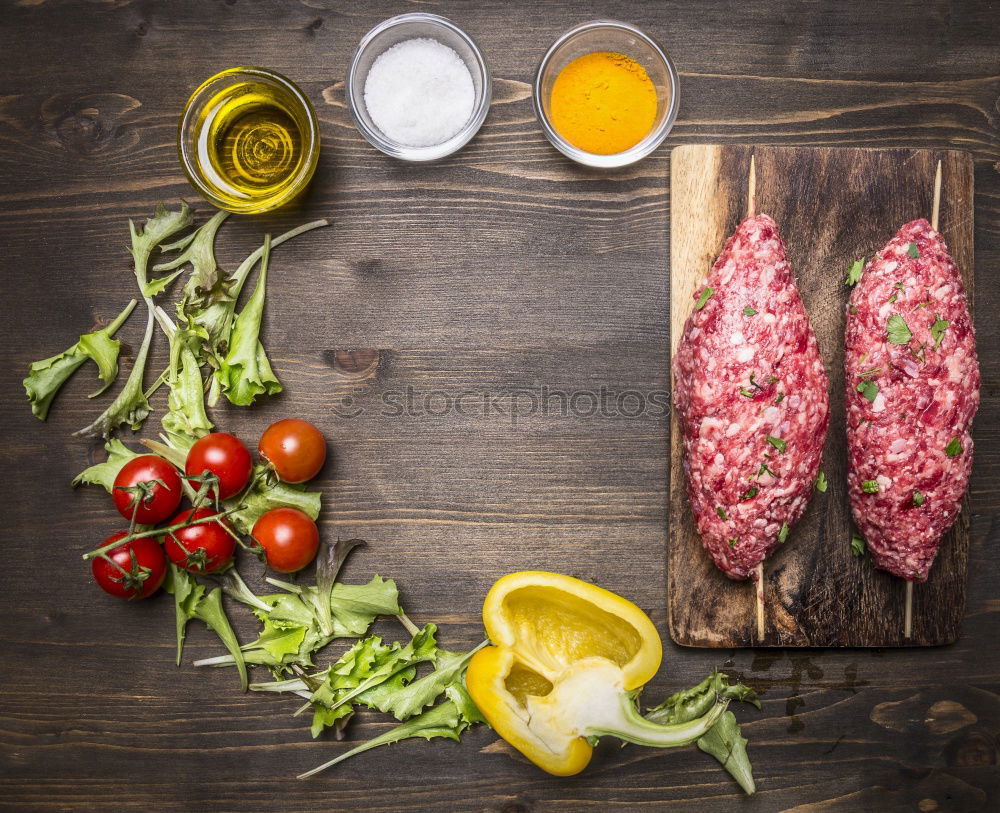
(603, 103)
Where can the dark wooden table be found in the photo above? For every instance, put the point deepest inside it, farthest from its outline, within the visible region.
(499, 272)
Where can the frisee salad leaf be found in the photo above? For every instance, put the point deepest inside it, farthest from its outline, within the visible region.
(420, 649)
(246, 372)
(449, 668)
(191, 601)
(131, 405)
(47, 376)
(724, 740)
(199, 250)
(104, 474)
(265, 494)
(209, 329)
(214, 320)
(448, 719)
(353, 609)
(186, 401)
(161, 226)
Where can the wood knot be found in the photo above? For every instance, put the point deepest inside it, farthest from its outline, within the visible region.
(972, 750)
(947, 716)
(315, 24)
(88, 125)
(358, 362)
(514, 808)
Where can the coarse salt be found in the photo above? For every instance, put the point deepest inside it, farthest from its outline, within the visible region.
(419, 93)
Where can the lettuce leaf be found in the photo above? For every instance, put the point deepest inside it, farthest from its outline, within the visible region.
(412, 699)
(245, 372)
(130, 406)
(191, 601)
(354, 607)
(46, 377)
(162, 225)
(350, 670)
(369, 664)
(104, 474)
(726, 743)
(448, 719)
(724, 740)
(205, 280)
(267, 495)
(187, 593)
(214, 319)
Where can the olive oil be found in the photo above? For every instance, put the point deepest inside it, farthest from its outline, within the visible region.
(255, 143)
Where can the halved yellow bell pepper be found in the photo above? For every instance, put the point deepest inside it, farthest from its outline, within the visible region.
(566, 662)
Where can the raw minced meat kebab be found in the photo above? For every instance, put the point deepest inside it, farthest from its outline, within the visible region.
(752, 400)
(912, 389)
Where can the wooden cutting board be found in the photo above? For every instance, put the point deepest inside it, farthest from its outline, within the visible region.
(832, 206)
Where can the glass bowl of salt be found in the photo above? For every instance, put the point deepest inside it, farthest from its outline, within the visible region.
(418, 87)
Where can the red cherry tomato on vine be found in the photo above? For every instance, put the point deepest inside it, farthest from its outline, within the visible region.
(203, 548)
(289, 538)
(226, 457)
(137, 493)
(296, 449)
(138, 570)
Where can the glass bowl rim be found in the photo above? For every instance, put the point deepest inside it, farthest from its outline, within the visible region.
(311, 141)
(634, 153)
(435, 151)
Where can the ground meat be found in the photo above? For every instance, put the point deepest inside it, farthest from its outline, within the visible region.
(752, 401)
(912, 383)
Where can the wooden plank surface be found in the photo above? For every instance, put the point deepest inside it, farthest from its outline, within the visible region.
(502, 269)
(832, 205)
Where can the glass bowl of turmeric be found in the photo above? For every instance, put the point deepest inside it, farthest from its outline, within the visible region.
(606, 94)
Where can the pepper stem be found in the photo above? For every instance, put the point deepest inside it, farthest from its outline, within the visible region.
(633, 727)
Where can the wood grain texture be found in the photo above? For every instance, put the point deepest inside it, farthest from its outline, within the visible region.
(501, 269)
(832, 205)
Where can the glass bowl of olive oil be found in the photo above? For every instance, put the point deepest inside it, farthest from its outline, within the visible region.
(248, 140)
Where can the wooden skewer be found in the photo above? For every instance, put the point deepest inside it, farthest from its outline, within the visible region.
(759, 570)
(908, 612)
(759, 591)
(935, 216)
(936, 206)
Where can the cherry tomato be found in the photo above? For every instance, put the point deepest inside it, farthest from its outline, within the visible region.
(138, 570)
(226, 457)
(289, 538)
(136, 484)
(203, 548)
(295, 448)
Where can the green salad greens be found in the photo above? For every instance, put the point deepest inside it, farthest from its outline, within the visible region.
(211, 346)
